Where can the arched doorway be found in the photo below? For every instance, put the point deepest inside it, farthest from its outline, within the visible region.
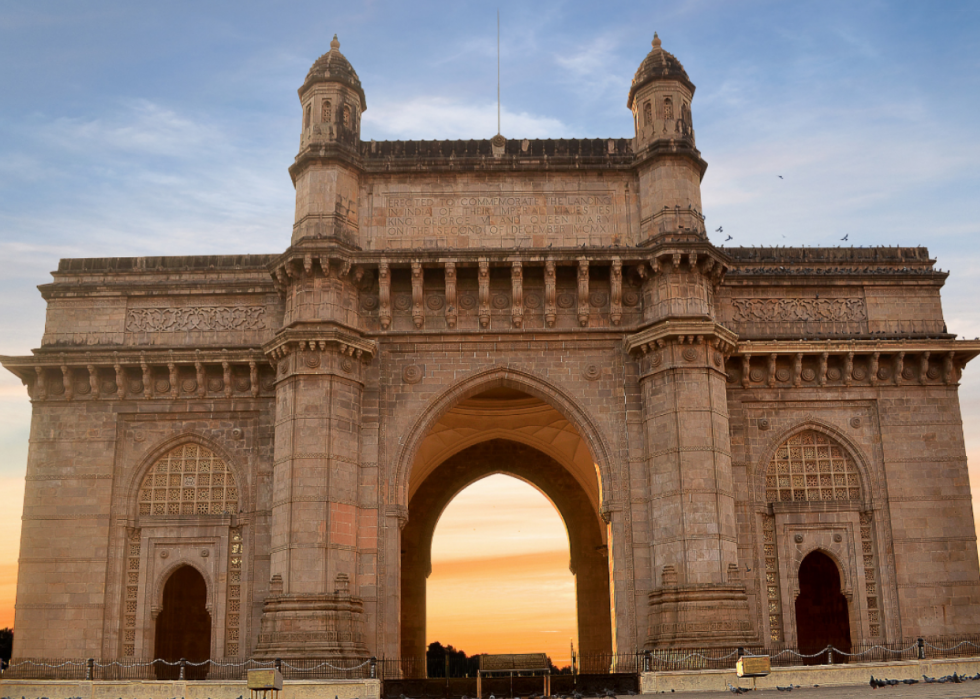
(587, 543)
(500, 580)
(821, 608)
(183, 628)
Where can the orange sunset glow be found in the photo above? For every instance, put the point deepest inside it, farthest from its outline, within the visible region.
(500, 581)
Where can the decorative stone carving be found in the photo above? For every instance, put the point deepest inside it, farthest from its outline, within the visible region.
(418, 317)
(412, 374)
(798, 538)
(764, 424)
(592, 372)
(483, 278)
(450, 280)
(748, 310)
(550, 310)
(583, 293)
(517, 294)
(384, 294)
(195, 318)
(616, 290)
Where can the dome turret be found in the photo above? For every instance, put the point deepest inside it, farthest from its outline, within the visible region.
(333, 66)
(333, 101)
(658, 65)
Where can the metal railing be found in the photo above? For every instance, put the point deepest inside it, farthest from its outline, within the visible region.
(655, 660)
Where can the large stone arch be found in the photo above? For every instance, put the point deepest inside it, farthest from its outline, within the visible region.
(501, 377)
(588, 554)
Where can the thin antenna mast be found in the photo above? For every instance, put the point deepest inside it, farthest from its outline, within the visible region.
(498, 71)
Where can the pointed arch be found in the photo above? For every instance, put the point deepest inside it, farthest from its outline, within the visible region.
(846, 582)
(501, 377)
(853, 451)
(161, 582)
(161, 450)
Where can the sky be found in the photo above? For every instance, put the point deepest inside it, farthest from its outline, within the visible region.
(133, 129)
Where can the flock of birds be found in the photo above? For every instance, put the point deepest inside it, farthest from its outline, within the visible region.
(720, 229)
(878, 683)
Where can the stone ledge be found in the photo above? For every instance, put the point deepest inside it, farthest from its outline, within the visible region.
(149, 689)
(806, 676)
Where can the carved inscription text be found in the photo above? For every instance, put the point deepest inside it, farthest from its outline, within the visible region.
(799, 310)
(499, 215)
(202, 318)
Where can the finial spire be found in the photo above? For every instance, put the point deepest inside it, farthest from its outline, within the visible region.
(656, 41)
(335, 45)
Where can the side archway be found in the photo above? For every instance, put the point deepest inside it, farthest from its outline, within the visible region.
(822, 610)
(183, 624)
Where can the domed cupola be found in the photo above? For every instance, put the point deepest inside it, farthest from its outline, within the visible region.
(660, 98)
(333, 100)
(669, 165)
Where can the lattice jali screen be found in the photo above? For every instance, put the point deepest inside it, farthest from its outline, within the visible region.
(189, 480)
(811, 466)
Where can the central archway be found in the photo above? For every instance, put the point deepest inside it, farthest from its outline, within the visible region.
(183, 627)
(587, 547)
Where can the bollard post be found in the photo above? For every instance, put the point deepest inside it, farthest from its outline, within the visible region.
(278, 664)
(183, 666)
(922, 647)
(374, 668)
(830, 654)
(739, 652)
(646, 661)
(89, 667)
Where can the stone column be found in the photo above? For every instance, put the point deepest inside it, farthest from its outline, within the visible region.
(314, 609)
(315, 510)
(688, 464)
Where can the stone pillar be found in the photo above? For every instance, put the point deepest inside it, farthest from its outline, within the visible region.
(315, 510)
(688, 463)
(314, 609)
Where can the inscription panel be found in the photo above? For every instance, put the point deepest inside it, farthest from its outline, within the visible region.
(594, 214)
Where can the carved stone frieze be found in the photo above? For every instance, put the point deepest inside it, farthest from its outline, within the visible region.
(195, 318)
(754, 310)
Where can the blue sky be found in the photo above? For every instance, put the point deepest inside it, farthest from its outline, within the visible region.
(167, 128)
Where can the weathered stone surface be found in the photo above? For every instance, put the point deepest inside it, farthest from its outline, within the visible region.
(703, 417)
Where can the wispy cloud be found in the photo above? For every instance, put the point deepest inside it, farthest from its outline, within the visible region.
(446, 118)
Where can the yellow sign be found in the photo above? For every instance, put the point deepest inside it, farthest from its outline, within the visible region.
(265, 680)
(754, 666)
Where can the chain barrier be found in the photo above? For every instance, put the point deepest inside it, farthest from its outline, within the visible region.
(325, 664)
(885, 648)
(951, 648)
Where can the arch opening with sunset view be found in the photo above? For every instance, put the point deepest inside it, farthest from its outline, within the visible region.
(506, 431)
(500, 580)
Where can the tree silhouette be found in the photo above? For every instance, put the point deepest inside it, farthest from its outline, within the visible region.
(6, 645)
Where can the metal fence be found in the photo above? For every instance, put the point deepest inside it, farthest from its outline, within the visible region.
(656, 660)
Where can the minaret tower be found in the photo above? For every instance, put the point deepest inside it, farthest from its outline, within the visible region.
(696, 596)
(326, 169)
(671, 167)
(315, 605)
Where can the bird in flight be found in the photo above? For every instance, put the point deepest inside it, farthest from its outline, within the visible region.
(779, 176)
(728, 238)
(718, 229)
(845, 236)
